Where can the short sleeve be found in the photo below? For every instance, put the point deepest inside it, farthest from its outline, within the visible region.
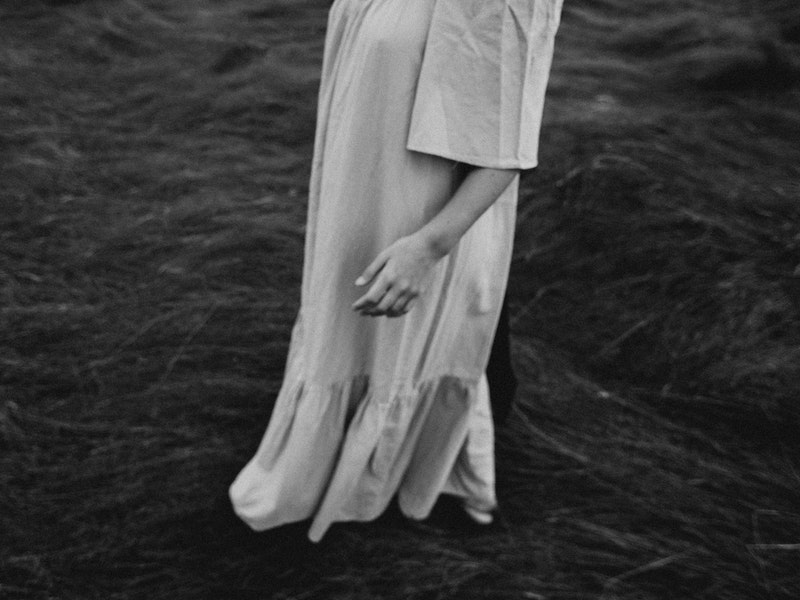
(480, 92)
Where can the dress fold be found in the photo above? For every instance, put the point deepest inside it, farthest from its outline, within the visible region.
(315, 462)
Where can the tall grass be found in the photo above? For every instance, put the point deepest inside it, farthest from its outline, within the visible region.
(153, 167)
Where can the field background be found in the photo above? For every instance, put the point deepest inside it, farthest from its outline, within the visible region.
(154, 158)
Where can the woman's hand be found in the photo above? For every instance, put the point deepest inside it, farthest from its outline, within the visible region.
(397, 275)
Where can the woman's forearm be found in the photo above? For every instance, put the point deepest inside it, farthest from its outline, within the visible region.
(397, 274)
(481, 187)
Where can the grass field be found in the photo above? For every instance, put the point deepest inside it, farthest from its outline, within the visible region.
(154, 157)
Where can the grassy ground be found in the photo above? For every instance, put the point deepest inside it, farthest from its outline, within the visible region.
(153, 165)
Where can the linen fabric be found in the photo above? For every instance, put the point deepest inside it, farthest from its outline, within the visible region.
(372, 407)
(481, 88)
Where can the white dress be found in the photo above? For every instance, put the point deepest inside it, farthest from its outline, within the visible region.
(375, 407)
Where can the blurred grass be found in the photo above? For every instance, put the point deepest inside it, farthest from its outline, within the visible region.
(153, 167)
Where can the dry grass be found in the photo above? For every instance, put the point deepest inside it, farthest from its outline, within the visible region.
(153, 166)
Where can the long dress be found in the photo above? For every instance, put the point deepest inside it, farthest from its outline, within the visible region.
(374, 407)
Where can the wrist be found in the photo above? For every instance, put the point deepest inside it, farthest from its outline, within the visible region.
(436, 243)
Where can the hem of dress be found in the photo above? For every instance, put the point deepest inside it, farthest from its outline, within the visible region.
(368, 471)
(476, 160)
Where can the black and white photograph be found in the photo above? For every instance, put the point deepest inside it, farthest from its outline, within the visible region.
(399, 300)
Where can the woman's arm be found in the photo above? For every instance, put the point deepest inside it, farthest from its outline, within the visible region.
(397, 273)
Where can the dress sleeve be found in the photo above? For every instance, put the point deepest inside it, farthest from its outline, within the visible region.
(481, 86)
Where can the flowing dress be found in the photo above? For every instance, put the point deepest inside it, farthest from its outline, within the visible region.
(374, 407)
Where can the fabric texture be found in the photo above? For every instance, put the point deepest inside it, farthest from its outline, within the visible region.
(481, 88)
(370, 407)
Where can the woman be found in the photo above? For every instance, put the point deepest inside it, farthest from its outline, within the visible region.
(427, 111)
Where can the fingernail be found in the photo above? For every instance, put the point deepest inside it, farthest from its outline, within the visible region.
(360, 281)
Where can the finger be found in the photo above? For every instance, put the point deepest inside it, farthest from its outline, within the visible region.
(401, 306)
(373, 296)
(371, 309)
(387, 301)
(408, 303)
(398, 308)
(372, 270)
